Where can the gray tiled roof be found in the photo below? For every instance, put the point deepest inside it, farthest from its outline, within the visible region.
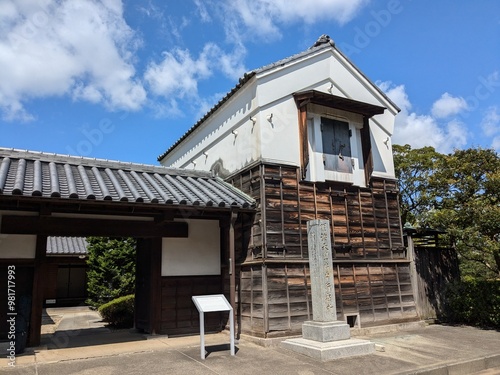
(66, 246)
(36, 174)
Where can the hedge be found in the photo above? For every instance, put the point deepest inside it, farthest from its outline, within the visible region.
(119, 312)
(473, 302)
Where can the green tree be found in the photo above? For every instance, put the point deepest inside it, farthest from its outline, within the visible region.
(111, 272)
(413, 171)
(467, 185)
(458, 193)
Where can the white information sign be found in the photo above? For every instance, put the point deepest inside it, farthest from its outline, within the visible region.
(213, 303)
(210, 303)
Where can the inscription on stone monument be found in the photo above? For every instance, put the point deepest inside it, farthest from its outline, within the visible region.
(321, 271)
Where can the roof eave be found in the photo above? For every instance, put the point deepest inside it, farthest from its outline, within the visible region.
(333, 101)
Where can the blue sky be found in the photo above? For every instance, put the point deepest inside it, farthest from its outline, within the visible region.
(123, 80)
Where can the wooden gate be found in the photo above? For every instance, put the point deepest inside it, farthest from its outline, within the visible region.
(436, 268)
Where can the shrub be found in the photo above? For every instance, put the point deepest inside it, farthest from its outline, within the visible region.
(473, 302)
(119, 312)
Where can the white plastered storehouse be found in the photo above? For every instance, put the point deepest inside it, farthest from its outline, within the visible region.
(308, 137)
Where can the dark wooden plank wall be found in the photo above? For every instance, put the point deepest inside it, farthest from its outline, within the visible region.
(380, 292)
(370, 261)
(178, 312)
(436, 268)
(250, 300)
(275, 299)
(365, 221)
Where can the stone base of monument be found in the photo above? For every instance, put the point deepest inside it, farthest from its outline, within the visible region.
(326, 331)
(327, 341)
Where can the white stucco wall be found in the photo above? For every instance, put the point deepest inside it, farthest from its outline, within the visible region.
(198, 254)
(228, 140)
(279, 132)
(383, 162)
(354, 85)
(16, 246)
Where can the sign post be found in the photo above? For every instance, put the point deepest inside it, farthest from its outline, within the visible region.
(213, 303)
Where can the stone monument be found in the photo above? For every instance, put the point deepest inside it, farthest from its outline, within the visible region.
(325, 338)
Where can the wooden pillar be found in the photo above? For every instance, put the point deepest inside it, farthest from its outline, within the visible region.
(263, 213)
(232, 267)
(148, 285)
(156, 244)
(303, 139)
(366, 147)
(37, 296)
(414, 278)
(142, 286)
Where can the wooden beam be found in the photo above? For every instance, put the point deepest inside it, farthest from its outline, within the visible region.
(334, 101)
(80, 227)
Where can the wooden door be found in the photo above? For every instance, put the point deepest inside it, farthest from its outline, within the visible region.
(336, 138)
(71, 282)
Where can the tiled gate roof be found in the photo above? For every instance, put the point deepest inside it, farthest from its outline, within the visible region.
(36, 174)
(66, 245)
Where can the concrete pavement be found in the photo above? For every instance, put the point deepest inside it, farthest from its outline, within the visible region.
(402, 349)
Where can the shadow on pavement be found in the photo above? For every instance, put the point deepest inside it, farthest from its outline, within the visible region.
(81, 327)
(209, 349)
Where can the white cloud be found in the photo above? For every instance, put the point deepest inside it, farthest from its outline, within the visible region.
(491, 126)
(420, 130)
(491, 121)
(495, 143)
(231, 64)
(398, 95)
(79, 48)
(455, 136)
(178, 74)
(264, 18)
(202, 10)
(448, 105)
(169, 108)
(151, 10)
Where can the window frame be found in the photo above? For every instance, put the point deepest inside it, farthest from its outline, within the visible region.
(316, 170)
